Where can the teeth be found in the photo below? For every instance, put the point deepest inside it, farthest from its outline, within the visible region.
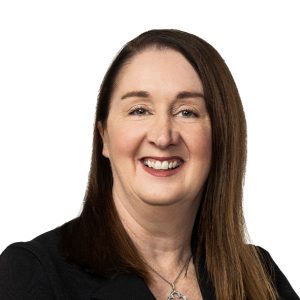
(162, 165)
(165, 165)
(157, 165)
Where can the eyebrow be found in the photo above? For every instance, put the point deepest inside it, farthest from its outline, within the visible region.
(180, 95)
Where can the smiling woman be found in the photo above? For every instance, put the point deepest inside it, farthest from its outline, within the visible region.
(162, 215)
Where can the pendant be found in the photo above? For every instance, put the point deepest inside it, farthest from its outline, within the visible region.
(176, 295)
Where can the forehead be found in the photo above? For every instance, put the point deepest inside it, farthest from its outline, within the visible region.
(157, 69)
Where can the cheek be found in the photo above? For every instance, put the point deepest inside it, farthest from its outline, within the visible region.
(201, 145)
(125, 139)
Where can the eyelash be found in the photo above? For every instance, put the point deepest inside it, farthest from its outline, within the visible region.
(194, 114)
(136, 109)
(142, 110)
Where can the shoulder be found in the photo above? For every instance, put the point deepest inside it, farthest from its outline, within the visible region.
(25, 269)
(39, 269)
(42, 249)
(279, 280)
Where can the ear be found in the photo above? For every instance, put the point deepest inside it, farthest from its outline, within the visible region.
(103, 134)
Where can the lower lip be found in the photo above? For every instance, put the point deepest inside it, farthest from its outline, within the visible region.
(162, 173)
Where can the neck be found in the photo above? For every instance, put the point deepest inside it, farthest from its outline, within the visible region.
(162, 234)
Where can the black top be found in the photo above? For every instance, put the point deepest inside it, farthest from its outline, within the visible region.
(37, 270)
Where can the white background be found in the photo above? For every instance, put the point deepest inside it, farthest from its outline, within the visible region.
(53, 55)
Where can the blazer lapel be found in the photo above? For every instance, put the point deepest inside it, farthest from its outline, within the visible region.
(206, 286)
(125, 287)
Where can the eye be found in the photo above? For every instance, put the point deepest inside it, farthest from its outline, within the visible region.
(187, 113)
(138, 111)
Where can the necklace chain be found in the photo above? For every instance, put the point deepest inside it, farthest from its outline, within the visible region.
(172, 284)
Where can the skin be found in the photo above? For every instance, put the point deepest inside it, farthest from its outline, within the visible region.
(159, 212)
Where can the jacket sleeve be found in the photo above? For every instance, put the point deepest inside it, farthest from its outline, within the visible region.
(281, 283)
(22, 275)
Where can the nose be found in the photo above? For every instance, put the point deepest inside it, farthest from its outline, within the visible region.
(163, 133)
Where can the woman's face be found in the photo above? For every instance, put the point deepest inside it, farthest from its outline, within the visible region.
(158, 132)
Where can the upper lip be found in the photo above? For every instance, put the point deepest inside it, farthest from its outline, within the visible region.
(160, 158)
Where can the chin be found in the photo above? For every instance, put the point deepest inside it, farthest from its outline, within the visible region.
(161, 203)
(161, 200)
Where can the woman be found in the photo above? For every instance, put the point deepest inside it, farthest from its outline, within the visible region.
(162, 216)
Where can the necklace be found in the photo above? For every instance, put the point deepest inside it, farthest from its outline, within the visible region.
(174, 294)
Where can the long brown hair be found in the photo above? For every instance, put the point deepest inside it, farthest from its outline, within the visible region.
(98, 240)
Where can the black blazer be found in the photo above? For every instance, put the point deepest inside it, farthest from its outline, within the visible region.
(37, 270)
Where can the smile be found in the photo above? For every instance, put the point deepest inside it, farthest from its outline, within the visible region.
(162, 165)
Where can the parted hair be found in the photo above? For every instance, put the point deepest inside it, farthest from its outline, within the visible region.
(97, 239)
